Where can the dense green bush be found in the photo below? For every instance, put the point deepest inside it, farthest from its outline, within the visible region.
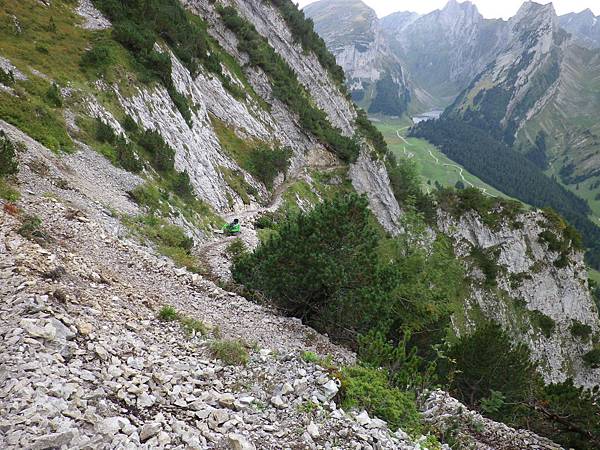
(406, 186)
(485, 259)
(232, 353)
(53, 96)
(31, 228)
(488, 360)
(406, 369)
(566, 414)
(318, 263)
(124, 151)
(580, 330)
(493, 211)
(168, 314)
(487, 371)
(7, 78)
(162, 156)
(99, 58)
(150, 196)
(369, 389)
(182, 186)
(129, 124)
(265, 164)
(8, 156)
(166, 234)
(236, 248)
(104, 132)
(328, 267)
(138, 24)
(127, 156)
(542, 322)
(592, 358)
(268, 220)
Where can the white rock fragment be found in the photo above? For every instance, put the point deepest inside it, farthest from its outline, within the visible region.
(313, 430)
(149, 430)
(239, 442)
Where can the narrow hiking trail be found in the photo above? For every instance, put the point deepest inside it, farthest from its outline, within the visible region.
(214, 252)
(402, 137)
(437, 162)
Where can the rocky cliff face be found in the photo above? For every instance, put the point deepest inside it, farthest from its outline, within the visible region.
(435, 55)
(354, 35)
(198, 149)
(536, 298)
(539, 82)
(584, 26)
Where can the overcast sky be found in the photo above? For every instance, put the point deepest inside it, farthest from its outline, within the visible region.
(489, 8)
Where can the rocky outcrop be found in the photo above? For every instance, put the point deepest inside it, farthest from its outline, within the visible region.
(530, 286)
(369, 176)
(94, 19)
(197, 145)
(471, 430)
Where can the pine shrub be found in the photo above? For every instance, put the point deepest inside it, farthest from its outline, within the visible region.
(8, 156)
(369, 389)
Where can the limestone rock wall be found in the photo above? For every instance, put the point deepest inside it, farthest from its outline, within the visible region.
(528, 280)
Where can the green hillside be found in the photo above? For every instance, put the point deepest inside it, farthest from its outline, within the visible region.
(433, 166)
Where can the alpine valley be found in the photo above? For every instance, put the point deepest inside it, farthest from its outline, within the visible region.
(206, 243)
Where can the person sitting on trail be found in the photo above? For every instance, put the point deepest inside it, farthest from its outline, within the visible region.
(232, 228)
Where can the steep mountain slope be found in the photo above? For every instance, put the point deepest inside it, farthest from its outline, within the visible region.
(136, 129)
(444, 50)
(533, 296)
(89, 364)
(521, 79)
(584, 26)
(353, 34)
(206, 140)
(540, 94)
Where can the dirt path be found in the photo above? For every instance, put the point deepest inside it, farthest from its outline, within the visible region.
(214, 253)
(437, 161)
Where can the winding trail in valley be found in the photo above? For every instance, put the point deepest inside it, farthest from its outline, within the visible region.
(437, 162)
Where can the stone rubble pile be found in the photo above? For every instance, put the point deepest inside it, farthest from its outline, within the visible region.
(86, 363)
(471, 430)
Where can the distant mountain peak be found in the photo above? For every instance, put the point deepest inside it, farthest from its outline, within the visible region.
(588, 12)
(584, 26)
(536, 16)
(531, 7)
(456, 11)
(455, 4)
